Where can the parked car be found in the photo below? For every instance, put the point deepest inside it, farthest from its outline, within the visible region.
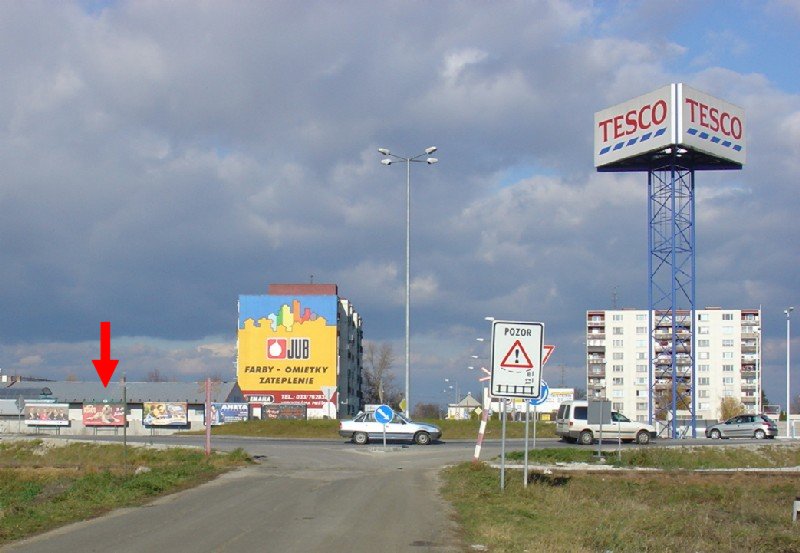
(744, 426)
(572, 426)
(364, 428)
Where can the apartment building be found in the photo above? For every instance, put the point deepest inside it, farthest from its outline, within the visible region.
(726, 351)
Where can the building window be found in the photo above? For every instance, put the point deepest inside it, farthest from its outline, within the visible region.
(702, 393)
(702, 330)
(703, 368)
(727, 355)
(617, 356)
(702, 406)
(727, 316)
(702, 316)
(641, 368)
(616, 317)
(727, 343)
(727, 330)
(641, 330)
(703, 343)
(641, 343)
(641, 381)
(727, 368)
(617, 381)
(617, 330)
(702, 381)
(641, 316)
(617, 368)
(727, 380)
(617, 393)
(617, 406)
(617, 343)
(702, 355)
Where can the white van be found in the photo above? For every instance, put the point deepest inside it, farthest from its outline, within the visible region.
(571, 426)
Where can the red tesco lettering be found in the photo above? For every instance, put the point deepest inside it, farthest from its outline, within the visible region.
(714, 119)
(634, 120)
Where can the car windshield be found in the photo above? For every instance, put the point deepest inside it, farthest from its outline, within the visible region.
(619, 417)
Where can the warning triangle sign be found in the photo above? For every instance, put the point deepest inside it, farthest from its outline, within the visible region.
(516, 358)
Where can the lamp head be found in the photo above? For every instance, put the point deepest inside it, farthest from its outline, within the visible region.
(432, 160)
(386, 161)
(384, 151)
(430, 150)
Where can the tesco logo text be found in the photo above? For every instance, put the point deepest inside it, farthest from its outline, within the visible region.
(714, 119)
(634, 120)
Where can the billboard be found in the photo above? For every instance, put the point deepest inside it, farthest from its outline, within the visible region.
(229, 412)
(284, 411)
(287, 349)
(46, 414)
(103, 414)
(635, 127)
(164, 414)
(674, 115)
(710, 125)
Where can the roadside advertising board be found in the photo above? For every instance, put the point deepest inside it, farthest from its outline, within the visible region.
(103, 414)
(674, 115)
(284, 411)
(229, 412)
(516, 362)
(46, 414)
(164, 414)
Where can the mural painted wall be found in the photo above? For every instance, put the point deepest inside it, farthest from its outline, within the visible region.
(287, 349)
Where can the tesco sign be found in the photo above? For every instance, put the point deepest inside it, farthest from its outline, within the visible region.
(674, 115)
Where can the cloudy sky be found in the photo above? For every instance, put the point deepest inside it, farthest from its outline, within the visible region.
(161, 158)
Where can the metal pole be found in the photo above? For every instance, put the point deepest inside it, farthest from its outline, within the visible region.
(788, 312)
(124, 420)
(208, 417)
(758, 365)
(535, 416)
(408, 287)
(503, 446)
(525, 470)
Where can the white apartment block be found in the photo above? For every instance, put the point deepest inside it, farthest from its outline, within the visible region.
(727, 350)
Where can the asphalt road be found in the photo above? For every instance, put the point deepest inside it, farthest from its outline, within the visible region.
(307, 496)
(303, 495)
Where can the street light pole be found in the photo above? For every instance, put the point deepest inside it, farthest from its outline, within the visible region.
(788, 312)
(388, 159)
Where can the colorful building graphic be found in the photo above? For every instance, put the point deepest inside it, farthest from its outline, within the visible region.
(287, 350)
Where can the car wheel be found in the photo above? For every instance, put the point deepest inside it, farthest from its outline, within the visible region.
(715, 434)
(586, 437)
(759, 434)
(360, 438)
(422, 438)
(643, 438)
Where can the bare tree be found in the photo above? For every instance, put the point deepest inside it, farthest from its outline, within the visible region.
(379, 386)
(426, 411)
(156, 376)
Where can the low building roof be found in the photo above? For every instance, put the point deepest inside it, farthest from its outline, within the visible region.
(137, 392)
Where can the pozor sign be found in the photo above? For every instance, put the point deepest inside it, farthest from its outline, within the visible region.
(517, 359)
(676, 115)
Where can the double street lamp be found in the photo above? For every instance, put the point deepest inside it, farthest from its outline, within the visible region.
(388, 159)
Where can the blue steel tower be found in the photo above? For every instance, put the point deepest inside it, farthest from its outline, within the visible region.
(670, 133)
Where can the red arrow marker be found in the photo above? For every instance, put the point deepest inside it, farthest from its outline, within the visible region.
(105, 366)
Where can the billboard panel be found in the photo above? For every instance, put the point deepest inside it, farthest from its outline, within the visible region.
(46, 414)
(287, 348)
(710, 125)
(229, 412)
(643, 124)
(103, 414)
(284, 411)
(164, 414)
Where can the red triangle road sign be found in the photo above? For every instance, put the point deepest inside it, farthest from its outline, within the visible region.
(516, 358)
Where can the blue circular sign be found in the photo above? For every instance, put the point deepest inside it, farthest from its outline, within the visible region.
(543, 393)
(384, 414)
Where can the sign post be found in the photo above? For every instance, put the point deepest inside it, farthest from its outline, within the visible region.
(384, 415)
(545, 393)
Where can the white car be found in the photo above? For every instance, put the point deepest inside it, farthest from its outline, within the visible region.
(364, 428)
(572, 426)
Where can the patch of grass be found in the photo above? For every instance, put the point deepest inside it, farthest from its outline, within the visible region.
(42, 487)
(676, 510)
(329, 429)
